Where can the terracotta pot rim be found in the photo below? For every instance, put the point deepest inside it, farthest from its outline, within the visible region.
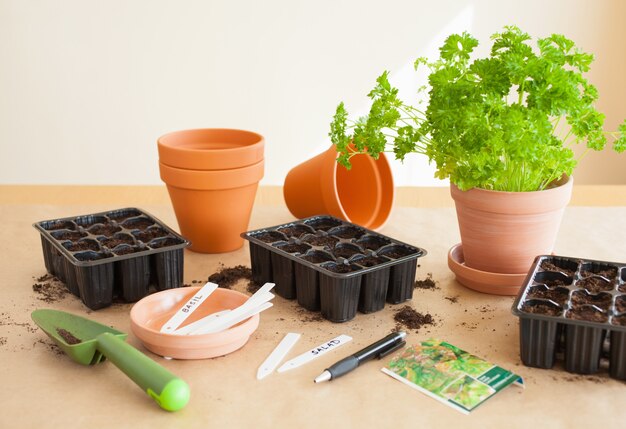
(164, 140)
(201, 172)
(191, 149)
(515, 202)
(212, 179)
(568, 182)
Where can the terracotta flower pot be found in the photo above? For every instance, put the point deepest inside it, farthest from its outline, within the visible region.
(503, 232)
(211, 149)
(213, 207)
(362, 195)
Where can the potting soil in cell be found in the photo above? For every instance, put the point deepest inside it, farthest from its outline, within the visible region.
(336, 268)
(118, 254)
(571, 307)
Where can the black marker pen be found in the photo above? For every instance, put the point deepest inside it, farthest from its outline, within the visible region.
(379, 349)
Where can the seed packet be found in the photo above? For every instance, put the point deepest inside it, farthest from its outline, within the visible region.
(449, 374)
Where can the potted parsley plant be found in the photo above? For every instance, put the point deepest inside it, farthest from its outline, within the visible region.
(501, 129)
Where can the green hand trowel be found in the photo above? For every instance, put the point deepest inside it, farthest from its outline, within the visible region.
(88, 342)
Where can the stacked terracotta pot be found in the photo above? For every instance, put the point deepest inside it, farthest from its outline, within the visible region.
(212, 177)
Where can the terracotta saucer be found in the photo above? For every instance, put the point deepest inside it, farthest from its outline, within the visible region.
(483, 281)
(148, 315)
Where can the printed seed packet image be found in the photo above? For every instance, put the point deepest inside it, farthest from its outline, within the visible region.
(449, 374)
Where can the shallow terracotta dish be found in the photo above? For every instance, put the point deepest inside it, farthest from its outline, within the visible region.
(483, 281)
(148, 315)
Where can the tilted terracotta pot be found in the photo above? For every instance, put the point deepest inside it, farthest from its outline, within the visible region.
(213, 207)
(503, 232)
(210, 149)
(362, 195)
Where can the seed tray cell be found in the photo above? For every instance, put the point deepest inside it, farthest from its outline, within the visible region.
(574, 308)
(114, 254)
(333, 266)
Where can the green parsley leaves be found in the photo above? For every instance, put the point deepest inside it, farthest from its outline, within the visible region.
(491, 123)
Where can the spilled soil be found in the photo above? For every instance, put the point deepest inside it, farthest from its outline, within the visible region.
(452, 299)
(49, 289)
(428, 283)
(227, 277)
(407, 317)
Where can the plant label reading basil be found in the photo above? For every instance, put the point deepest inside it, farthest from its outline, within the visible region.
(189, 307)
(315, 352)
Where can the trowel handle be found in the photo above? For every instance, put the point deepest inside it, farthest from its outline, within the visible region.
(169, 391)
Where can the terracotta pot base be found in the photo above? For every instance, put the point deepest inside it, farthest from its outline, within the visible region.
(213, 219)
(483, 281)
(213, 207)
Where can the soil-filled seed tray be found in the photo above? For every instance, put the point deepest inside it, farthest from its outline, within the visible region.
(574, 308)
(333, 266)
(113, 254)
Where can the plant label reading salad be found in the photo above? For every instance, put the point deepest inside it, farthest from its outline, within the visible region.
(450, 375)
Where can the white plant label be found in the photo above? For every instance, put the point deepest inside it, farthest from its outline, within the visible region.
(315, 352)
(189, 307)
(269, 365)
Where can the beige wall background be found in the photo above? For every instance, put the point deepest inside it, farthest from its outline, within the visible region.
(86, 87)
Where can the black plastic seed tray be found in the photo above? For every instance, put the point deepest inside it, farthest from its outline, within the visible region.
(333, 266)
(575, 308)
(114, 254)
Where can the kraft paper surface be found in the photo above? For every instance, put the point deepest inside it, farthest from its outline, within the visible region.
(43, 388)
